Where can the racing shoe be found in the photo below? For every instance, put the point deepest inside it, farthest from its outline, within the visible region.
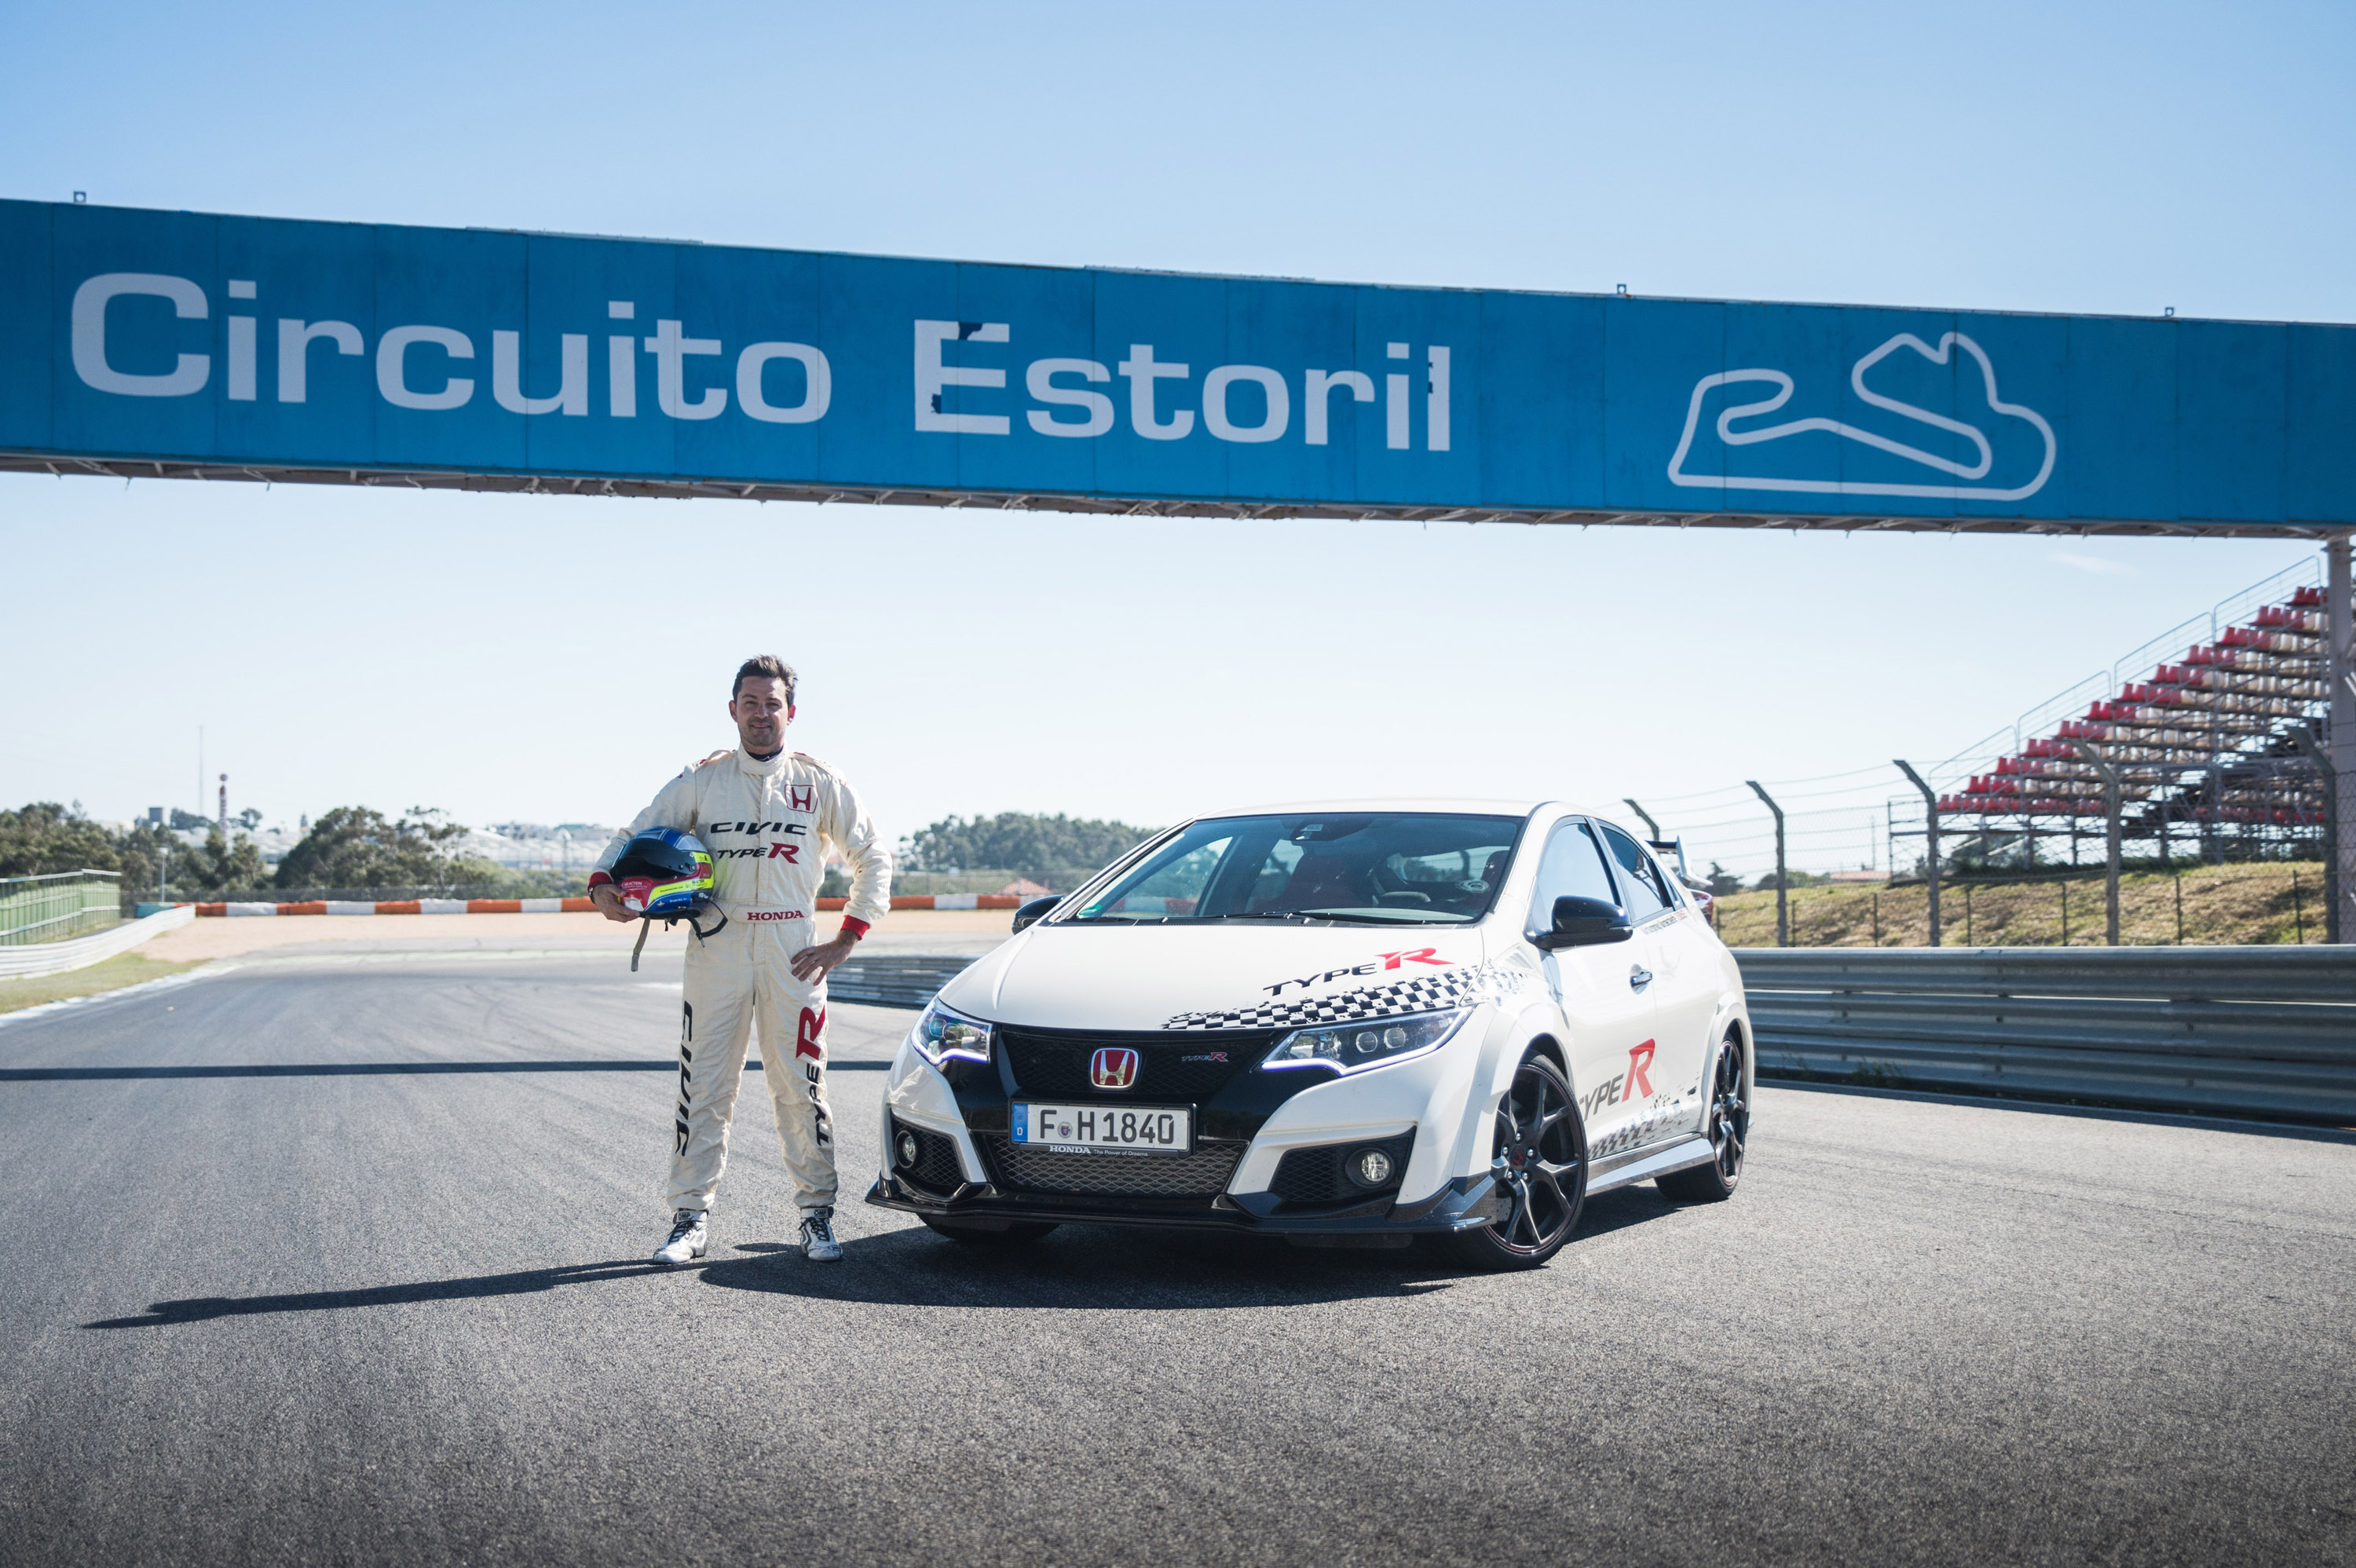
(690, 1236)
(819, 1244)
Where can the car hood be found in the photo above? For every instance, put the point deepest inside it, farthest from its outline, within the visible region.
(1215, 976)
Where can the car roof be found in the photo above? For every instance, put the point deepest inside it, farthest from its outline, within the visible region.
(1473, 805)
(1487, 808)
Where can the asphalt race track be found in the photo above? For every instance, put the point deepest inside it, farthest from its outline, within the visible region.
(336, 1258)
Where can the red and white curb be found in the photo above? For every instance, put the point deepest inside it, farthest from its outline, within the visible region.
(550, 906)
(405, 906)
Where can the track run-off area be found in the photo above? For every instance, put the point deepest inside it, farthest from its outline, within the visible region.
(335, 1254)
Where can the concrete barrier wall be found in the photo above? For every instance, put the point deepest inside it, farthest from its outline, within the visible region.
(61, 957)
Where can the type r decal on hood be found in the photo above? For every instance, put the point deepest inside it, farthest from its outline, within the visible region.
(1453, 987)
(1380, 960)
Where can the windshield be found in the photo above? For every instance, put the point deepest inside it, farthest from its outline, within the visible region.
(1375, 868)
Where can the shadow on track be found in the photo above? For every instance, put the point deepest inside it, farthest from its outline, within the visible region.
(1103, 1267)
(1110, 1268)
(528, 1282)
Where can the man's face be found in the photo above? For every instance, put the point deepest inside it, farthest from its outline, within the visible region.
(761, 712)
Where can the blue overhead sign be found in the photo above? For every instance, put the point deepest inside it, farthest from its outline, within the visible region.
(339, 350)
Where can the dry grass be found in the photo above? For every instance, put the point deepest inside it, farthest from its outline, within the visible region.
(124, 969)
(2221, 905)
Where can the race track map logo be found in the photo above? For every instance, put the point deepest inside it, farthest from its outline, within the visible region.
(1829, 459)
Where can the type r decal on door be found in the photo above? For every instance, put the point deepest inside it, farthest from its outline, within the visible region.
(1640, 1063)
(1623, 1086)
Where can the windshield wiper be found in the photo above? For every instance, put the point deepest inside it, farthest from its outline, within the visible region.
(1300, 914)
(1353, 917)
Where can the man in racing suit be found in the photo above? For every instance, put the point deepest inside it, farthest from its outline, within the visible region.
(768, 817)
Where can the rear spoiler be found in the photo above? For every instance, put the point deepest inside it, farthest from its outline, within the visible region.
(1677, 847)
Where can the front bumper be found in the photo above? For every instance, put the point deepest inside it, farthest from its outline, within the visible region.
(1262, 1138)
(1464, 1203)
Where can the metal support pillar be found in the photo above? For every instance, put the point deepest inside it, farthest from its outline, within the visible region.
(1644, 816)
(1931, 830)
(2315, 751)
(2340, 670)
(2114, 802)
(1782, 893)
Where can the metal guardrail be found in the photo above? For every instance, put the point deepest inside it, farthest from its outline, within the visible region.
(58, 907)
(890, 981)
(36, 959)
(2267, 1031)
(2263, 1032)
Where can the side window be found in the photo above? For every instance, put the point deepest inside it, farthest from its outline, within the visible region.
(1648, 895)
(1572, 864)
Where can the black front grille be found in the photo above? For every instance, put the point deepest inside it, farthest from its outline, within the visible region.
(1201, 1174)
(1315, 1176)
(936, 1169)
(1191, 1068)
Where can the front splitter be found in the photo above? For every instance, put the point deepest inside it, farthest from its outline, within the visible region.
(1463, 1204)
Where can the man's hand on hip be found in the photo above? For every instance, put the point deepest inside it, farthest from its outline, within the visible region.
(608, 899)
(813, 963)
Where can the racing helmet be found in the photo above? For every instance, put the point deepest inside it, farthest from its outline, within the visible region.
(664, 874)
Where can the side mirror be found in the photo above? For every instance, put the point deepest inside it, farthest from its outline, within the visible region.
(1031, 913)
(1585, 922)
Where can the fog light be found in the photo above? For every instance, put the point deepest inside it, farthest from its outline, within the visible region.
(905, 1146)
(1370, 1168)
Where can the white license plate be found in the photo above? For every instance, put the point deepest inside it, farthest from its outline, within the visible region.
(1106, 1129)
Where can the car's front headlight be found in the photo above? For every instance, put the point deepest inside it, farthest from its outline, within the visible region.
(1371, 1042)
(946, 1036)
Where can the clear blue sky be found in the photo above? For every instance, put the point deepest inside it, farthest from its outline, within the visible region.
(516, 657)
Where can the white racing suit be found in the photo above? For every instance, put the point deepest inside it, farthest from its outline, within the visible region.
(768, 826)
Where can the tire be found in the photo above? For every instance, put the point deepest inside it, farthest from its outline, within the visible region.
(1730, 1130)
(1012, 1233)
(1541, 1155)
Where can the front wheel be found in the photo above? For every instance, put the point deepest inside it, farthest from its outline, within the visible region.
(1539, 1161)
(1730, 1129)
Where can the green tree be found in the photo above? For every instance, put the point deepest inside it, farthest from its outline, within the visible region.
(356, 847)
(1058, 850)
(45, 837)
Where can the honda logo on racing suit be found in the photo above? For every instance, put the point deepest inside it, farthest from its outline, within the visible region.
(1113, 1067)
(799, 798)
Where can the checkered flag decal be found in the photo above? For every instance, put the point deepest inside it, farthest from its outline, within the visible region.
(1424, 993)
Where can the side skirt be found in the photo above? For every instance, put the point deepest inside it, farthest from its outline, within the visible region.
(1643, 1164)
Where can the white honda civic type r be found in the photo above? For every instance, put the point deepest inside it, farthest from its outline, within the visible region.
(1346, 1023)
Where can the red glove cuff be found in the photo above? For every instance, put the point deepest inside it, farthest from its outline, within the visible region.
(853, 927)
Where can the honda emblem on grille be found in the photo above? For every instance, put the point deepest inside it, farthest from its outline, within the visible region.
(1113, 1067)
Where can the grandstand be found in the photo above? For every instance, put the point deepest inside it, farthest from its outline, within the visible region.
(2197, 723)
(2202, 739)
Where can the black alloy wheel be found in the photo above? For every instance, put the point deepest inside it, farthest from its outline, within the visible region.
(1728, 1128)
(1541, 1166)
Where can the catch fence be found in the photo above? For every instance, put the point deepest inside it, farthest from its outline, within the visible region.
(2266, 904)
(58, 907)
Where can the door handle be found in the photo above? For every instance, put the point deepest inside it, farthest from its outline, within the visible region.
(1639, 977)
